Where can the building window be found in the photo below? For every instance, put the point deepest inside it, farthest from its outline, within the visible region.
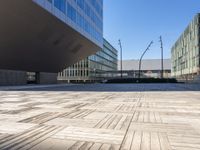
(61, 5)
(71, 12)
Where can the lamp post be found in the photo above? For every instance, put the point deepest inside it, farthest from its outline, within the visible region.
(142, 57)
(162, 63)
(120, 44)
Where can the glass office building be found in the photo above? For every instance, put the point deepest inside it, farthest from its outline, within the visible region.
(43, 37)
(185, 52)
(85, 16)
(95, 68)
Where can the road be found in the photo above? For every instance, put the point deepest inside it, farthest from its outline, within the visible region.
(101, 117)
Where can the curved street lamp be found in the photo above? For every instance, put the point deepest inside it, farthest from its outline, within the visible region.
(142, 57)
(120, 44)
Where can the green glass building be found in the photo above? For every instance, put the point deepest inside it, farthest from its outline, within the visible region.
(185, 52)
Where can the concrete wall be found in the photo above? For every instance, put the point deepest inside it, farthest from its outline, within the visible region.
(10, 77)
(46, 78)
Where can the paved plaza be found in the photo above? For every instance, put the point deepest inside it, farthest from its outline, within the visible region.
(101, 117)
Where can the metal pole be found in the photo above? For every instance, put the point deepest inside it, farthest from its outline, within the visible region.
(162, 63)
(142, 57)
(120, 44)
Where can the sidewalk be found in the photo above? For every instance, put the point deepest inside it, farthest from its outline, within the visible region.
(60, 120)
(21, 87)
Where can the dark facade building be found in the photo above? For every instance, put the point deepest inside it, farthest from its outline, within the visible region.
(45, 36)
(94, 68)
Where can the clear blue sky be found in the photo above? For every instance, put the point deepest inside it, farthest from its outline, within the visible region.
(137, 22)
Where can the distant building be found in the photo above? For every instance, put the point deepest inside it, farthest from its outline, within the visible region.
(150, 68)
(94, 68)
(185, 52)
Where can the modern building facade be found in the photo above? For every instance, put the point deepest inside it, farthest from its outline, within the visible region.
(150, 68)
(49, 35)
(94, 68)
(84, 16)
(185, 52)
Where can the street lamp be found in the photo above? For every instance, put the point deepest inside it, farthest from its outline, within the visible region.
(120, 44)
(142, 57)
(162, 63)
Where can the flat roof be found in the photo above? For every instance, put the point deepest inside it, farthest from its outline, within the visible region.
(147, 64)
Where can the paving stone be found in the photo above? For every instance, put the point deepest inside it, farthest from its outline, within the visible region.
(162, 117)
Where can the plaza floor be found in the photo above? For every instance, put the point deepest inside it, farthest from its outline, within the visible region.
(101, 117)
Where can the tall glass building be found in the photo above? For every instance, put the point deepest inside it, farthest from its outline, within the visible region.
(94, 68)
(185, 52)
(46, 36)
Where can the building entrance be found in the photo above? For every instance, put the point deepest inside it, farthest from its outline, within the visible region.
(31, 78)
